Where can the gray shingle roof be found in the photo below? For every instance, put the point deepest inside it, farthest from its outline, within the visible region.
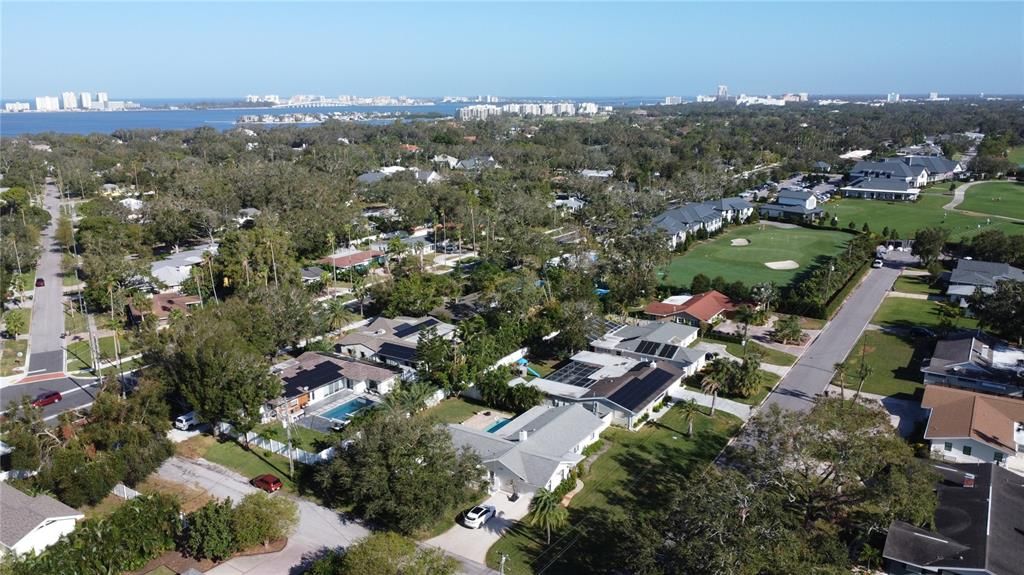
(686, 217)
(794, 194)
(884, 184)
(985, 274)
(934, 164)
(22, 513)
(888, 167)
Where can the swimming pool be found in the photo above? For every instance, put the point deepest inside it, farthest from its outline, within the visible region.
(498, 425)
(345, 411)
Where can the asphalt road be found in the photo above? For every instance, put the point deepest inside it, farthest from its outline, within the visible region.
(77, 393)
(813, 371)
(46, 348)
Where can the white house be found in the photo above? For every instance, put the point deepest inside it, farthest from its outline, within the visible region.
(445, 160)
(314, 376)
(969, 427)
(391, 341)
(537, 449)
(31, 524)
(175, 269)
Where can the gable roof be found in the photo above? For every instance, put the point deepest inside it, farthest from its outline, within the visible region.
(934, 164)
(795, 194)
(958, 413)
(351, 259)
(661, 341)
(889, 167)
(22, 513)
(703, 306)
(637, 388)
(883, 184)
(314, 369)
(685, 217)
(979, 357)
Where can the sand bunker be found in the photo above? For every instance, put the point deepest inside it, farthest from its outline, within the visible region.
(783, 265)
(740, 242)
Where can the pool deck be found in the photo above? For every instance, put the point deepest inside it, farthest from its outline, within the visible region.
(316, 417)
(484, 419)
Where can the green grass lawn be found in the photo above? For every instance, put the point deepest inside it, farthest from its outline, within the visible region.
(9, 360)
(636, 472)
(915, 284)
(906, 313)
(302, 437)
(997, 198)
(1016, 155)
(453, 410)
(895, 363)
(717, 257)
(768, 355)
(78, 352)
(252, 463)
(908, 217)
(75, 323)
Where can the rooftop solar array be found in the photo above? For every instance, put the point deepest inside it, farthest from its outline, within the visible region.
(639, 392)
(655, 348)
(598, 326)
(405, 330)
(575, 373)
(395, 351)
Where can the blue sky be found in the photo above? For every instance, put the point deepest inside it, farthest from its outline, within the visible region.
(195, 49)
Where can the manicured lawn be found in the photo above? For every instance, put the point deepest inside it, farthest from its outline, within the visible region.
(717, 257)
(302, 437)
(768, 355)
(636, 472)
(9, 360)
(906, 313)
(915, 284)
(811, 323)
(75, 323)
(79, 357)
(453, 410)
(251, 463)
(997, 198)
(895, 364)
(768, 381)
(908, 217)
(1016, 155)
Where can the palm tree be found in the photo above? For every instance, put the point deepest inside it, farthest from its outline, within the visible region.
(745, 315)
(546, 511)
(864, 370)
(335, 313)
(709, 385)
(839, 378)
(409, 398)
(689, 411)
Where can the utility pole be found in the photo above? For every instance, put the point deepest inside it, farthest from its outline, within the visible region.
(286, 422)
(273, 260)
(504, 558)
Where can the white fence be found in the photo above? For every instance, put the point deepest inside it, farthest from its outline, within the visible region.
(124, 492)
(510, 358)
(274, 446)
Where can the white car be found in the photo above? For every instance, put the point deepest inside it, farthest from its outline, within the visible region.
(876, 264)
(477, 516)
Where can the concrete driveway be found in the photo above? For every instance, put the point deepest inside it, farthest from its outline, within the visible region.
(473, 544)
(318, 527)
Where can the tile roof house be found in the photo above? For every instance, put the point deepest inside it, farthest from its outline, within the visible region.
(976, 362)
(626, 387)
(537, 449)
(315, 376)
(391, 341)
(969, 427)
(979, 526)
(30, 524)
(971, 275)
(162, 305)
(707, 307)
(350, 258)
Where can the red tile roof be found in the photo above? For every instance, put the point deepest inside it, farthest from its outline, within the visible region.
(351, 259)
(704, 306)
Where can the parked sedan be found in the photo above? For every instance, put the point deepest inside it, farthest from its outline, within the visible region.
(40, 282)
(876, 264)
(47, 398)
(267, 482)
(477, 516)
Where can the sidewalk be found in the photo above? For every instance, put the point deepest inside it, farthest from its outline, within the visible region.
(740, 410)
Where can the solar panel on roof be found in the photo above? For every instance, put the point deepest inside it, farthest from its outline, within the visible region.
(575, 373)
(635, 394)
(405, 330)
(395, 351)
(668, 350)
(648, 347)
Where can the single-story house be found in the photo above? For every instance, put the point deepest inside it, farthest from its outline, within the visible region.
(654, 341)
(626, 387)
(162, 305)
(445, 160)
(971, 275)
(978, 530)
(969, 427)
(313, 274)
(348, 258)
(597, 174)
(477, 163)
(175, 269)
(246, 215)
(976, 361)
(315, 376)
(30, 524)
(537, 449)
(391, 341)
(421, 176)
(708, 307)
(874, 188)
(568, 203)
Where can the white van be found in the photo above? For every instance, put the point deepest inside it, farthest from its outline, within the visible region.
(187, 421)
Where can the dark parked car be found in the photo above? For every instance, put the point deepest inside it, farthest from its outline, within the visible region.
(921, 332)
(47, 398)
(267, 482)
(40, 282)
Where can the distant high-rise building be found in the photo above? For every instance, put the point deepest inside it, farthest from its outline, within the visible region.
(723, 91)
(803, 96)
(17, 106)
(101, 100)
(893, 97)
(69, 100)
(47, 103)
(673, 100)
(933, 95)
(86, 100)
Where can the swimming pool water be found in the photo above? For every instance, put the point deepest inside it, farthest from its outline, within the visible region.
(345, 410)
(498, 425)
